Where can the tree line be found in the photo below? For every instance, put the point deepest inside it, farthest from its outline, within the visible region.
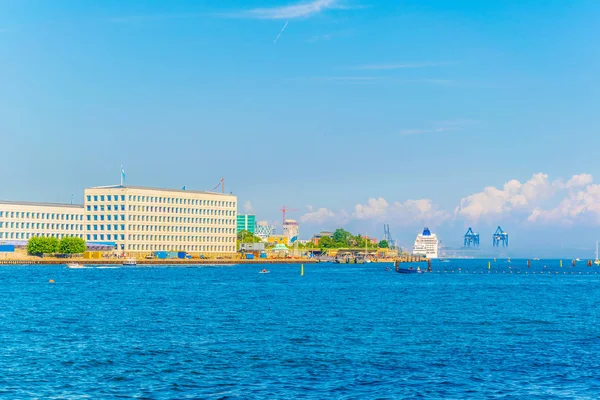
(340, 239)
(40, 245)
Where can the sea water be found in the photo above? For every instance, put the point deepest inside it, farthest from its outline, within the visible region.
(339, 331)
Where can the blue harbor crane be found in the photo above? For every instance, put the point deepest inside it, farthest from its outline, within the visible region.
(388, 236)
(500, 237)
(471, 238)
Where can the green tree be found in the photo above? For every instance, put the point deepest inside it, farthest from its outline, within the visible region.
(72, 245)
(383, 244)
(35, 246)
(39, 245)
(342, 236)
(326, 242)
(247, 237)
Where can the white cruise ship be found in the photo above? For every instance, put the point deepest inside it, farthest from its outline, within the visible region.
(426, 244)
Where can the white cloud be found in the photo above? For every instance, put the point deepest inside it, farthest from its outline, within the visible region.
(514, 195)
(248, 208)
(577, 201)
(374, 209)
(317, 216)
(580, 180)
(408, 213)
(455, 125)
(581, 206)
(300, 10)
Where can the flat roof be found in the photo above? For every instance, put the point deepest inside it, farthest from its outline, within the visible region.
(32, 203)
(159, 189)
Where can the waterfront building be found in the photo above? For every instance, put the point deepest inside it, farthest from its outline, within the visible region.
(277, 239)
(141, 220)
(264, 230)
(20, 221)
(371, 240)
(318, 236)
(290, 230)
(246, 222)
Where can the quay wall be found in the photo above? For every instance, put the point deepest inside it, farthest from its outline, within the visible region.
(155, 262)
(176, 261)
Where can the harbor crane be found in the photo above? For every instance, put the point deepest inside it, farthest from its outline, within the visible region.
(500, 237)
(471, 238)
(388, 236)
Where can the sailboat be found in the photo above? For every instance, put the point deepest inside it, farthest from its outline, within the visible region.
(367, 259)
(597, 262)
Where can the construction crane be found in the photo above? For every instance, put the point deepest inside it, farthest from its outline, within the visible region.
(388, 237)
(471, 238)
(500, 237)
(284, 210)
(221, 183)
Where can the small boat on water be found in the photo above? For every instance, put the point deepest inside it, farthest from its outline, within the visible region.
(74, 265)
(409, 270)
(130, 262)
(264, 271)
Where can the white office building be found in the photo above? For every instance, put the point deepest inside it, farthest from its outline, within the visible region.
(264, 230)
(291, 230)
(144, 220)
(19, 221)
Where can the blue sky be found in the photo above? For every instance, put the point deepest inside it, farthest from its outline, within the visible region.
(357, 106)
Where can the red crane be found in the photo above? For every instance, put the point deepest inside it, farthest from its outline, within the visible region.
(284, 210)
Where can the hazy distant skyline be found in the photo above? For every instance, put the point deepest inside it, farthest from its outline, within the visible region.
(355, 112)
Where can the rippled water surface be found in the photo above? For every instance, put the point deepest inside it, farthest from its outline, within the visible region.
(341, 331)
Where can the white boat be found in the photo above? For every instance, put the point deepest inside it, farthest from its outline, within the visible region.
(426, 244)
(130, 262)
(74, 265)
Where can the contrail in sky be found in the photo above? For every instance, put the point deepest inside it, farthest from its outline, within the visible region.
(282, 29)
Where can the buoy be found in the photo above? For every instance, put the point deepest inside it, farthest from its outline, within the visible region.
(302, 270)
(51, 281)
(561, 263)
(489, 265)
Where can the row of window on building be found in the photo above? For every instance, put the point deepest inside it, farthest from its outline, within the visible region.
(37, 215)
(189, 248)
(144, 218)
(154, 228)
(176, 210)
(160, 200)
(40, 225)
(121, 237)
(28, 235)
